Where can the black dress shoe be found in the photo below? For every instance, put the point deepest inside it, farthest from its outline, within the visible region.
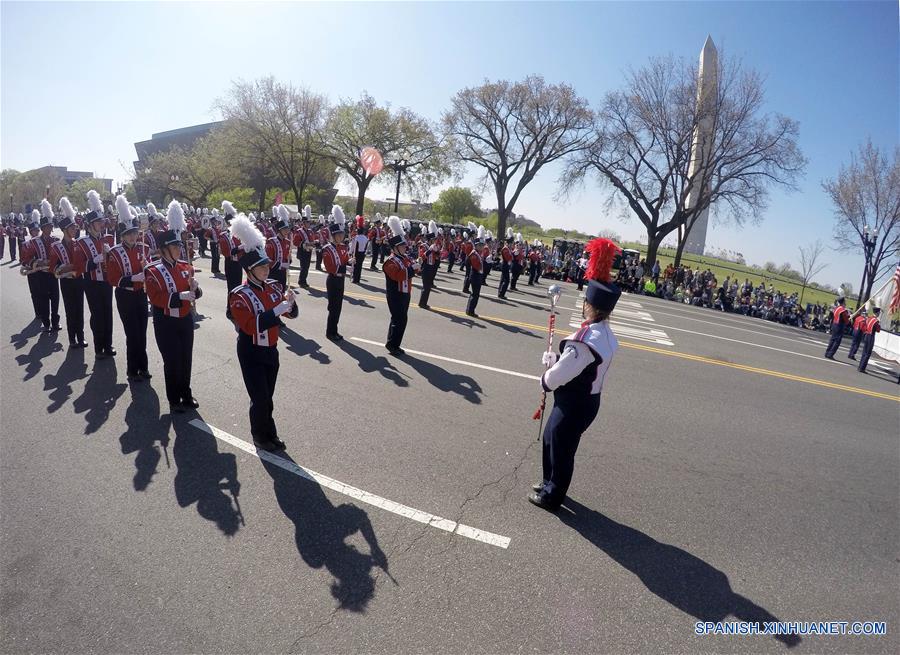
(334, 337)
(190, 402)
(176, 408)
(134, 376)
(424, 306)
(851, 357)
(82, 344)
(472, 314)
(145, 374)
(543, 502)
(396, 352)
(278, 443)
(110, 352)
(265, 444)
(100, 354)
(46, 329)
(56, 328)
(537, 488)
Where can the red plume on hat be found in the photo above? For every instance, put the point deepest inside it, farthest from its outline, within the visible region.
(602, 253)
(360, 222)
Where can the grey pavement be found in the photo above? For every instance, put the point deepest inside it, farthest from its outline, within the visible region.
(733, 475)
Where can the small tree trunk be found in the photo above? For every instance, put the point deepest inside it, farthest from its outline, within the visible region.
(652, 247)
(678, 252)
(362, 185)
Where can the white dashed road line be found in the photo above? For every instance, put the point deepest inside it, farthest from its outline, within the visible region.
(357, 494)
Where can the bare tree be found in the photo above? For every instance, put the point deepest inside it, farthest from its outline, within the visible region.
(866, 199)
(641, 148)
(810, 266)
(281, 121)
(407, 142)
(512, 130)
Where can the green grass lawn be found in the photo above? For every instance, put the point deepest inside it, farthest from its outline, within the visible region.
(722, 269)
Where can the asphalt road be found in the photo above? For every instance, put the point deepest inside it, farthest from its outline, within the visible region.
(732, 474)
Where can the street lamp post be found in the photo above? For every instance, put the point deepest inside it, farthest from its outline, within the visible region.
(400, 166)
(10, 203)
(868, 247)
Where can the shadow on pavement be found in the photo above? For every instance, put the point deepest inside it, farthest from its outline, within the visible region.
(320, 533)
(302, 346)
(461, 320)
(674, 575)
(45, 346)
(514, 329)
(205, 476)
(145, 428)
(99, 395)
(32, 329)
(60, 384)
(369, 363)
(444, 380)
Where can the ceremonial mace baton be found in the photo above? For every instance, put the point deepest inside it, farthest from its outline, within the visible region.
(554, 292)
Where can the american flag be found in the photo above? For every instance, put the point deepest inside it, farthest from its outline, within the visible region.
(895, 296)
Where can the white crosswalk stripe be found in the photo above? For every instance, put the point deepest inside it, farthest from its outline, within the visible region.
(631, 321)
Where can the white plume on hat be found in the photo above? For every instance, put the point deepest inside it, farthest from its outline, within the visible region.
(452, 232)
(151, 209)
(123, 208)
(509, 233)
(406, 225)
(175, 216)
(481, 232)
(395, 226)
(184, 207)
(251, 216)
(378, 216)
(249, 235)
(228, 208)
(46, 209)
(307, 212)
(94, 201)
(338, 215)
(66, 208)
(35, 217)
(215, 212)
(518, 237)
(284, 213)
(465, 234)
(432, 227)
(472, 227)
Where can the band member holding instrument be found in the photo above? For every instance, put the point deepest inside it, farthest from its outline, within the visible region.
(171, 288)
(278, 247)
(90, 263)
(256, 310)
(35, 257)
(231, 249)
(62, 258)
(336, 257)
(475, 265)
(304, 239)
(125, 266)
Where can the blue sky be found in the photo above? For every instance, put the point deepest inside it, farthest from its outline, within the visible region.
(82, 82)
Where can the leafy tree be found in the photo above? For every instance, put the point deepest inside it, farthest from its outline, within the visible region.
(454, 203)
(512, 130)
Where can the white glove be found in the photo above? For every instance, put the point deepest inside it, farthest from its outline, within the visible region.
(98, 259)
(193, 284)
(282, 307)
(187, 295)
(289, 297)
(549, 358)
(416, 266)
(105, 247)
(137, 277)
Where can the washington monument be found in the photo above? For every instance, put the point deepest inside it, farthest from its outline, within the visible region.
(701, 148)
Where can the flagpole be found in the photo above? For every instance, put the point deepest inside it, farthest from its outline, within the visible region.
(884, 286)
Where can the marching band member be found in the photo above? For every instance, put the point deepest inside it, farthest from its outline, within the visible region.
(452, 248)
(125, 265)
(256, 308)
(3, 224)
(35, 259)
(278, 247)
(336, 258)
(171, 288)
(377, 236)
(358, 249)
(534, 263)
(90, 262)
(871, 328)
(29, 262)
(399, 270)
(231, 249)
(487, 255)
(153, 230)
(505, 264)
(62, 265)
(576, 377)
(323, 238)
(303, 239)
(518, 262)
(213, 234)
(430, 254)
(467, 247)
(840, 317)
(474, 266)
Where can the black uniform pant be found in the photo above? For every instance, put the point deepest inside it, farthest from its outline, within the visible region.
(2, 246)
(304, 256)
(451, 259)
(99, 299)
(33, 294)
(485, 273)
(175, 340)
(516, 272)
(280, 274)
(570, 417)
(318, 259)
(12, 248)
(837, 335)
(854, 345)
(504, 280)
(233, 273)
(532, 274)
(467, 280)
(334, 285)
(428, 273)
(214, 254)
(867, 345)
(377, 252)
(132, 308)
(47, 287)
(259, 368)
(398, 304)
(202, 239)
(475, 281)
(358, 266)
(73, 300)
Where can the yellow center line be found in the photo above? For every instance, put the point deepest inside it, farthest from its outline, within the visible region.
(671, 353)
